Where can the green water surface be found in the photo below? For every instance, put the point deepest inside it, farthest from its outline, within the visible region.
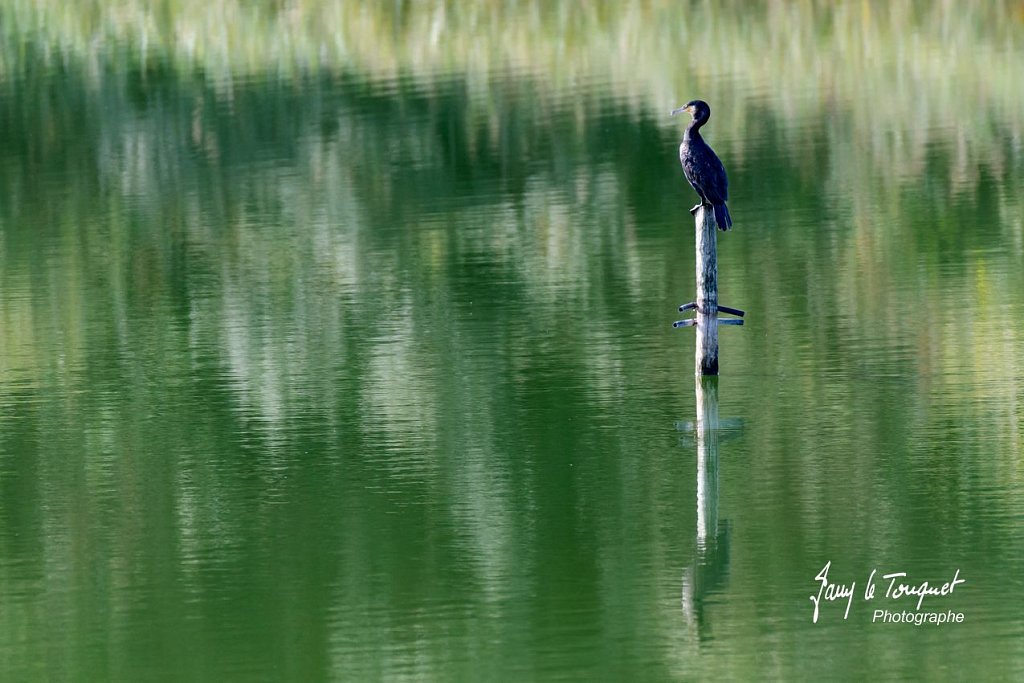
(352, 359)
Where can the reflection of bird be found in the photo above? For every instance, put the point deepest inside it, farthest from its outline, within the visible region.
(701, 166)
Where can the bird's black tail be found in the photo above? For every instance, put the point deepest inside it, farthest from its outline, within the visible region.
(722, 217)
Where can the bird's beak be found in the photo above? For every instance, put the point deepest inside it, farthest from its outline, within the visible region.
(685, 108)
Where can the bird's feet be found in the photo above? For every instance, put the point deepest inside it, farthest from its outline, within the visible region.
(693, 209)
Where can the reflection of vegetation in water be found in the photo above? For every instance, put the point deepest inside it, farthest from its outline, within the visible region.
(894, 79)
(374, 179)
(926, 64)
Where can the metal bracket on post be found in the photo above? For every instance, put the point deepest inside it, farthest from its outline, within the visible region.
(692, 322)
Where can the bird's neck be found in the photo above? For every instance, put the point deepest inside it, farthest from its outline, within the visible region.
(693, 130)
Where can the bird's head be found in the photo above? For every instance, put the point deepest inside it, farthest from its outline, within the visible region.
(698, 109)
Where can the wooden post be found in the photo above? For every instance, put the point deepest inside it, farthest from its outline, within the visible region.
(706, 306)
(706, 360)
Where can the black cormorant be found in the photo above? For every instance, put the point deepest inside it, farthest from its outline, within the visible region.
(701, 165)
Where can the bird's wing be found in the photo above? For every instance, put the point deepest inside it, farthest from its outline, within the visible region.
(723, 188)
(713, 178)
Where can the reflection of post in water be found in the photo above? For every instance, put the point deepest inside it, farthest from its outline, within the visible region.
(710, 565)
(707, 458)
